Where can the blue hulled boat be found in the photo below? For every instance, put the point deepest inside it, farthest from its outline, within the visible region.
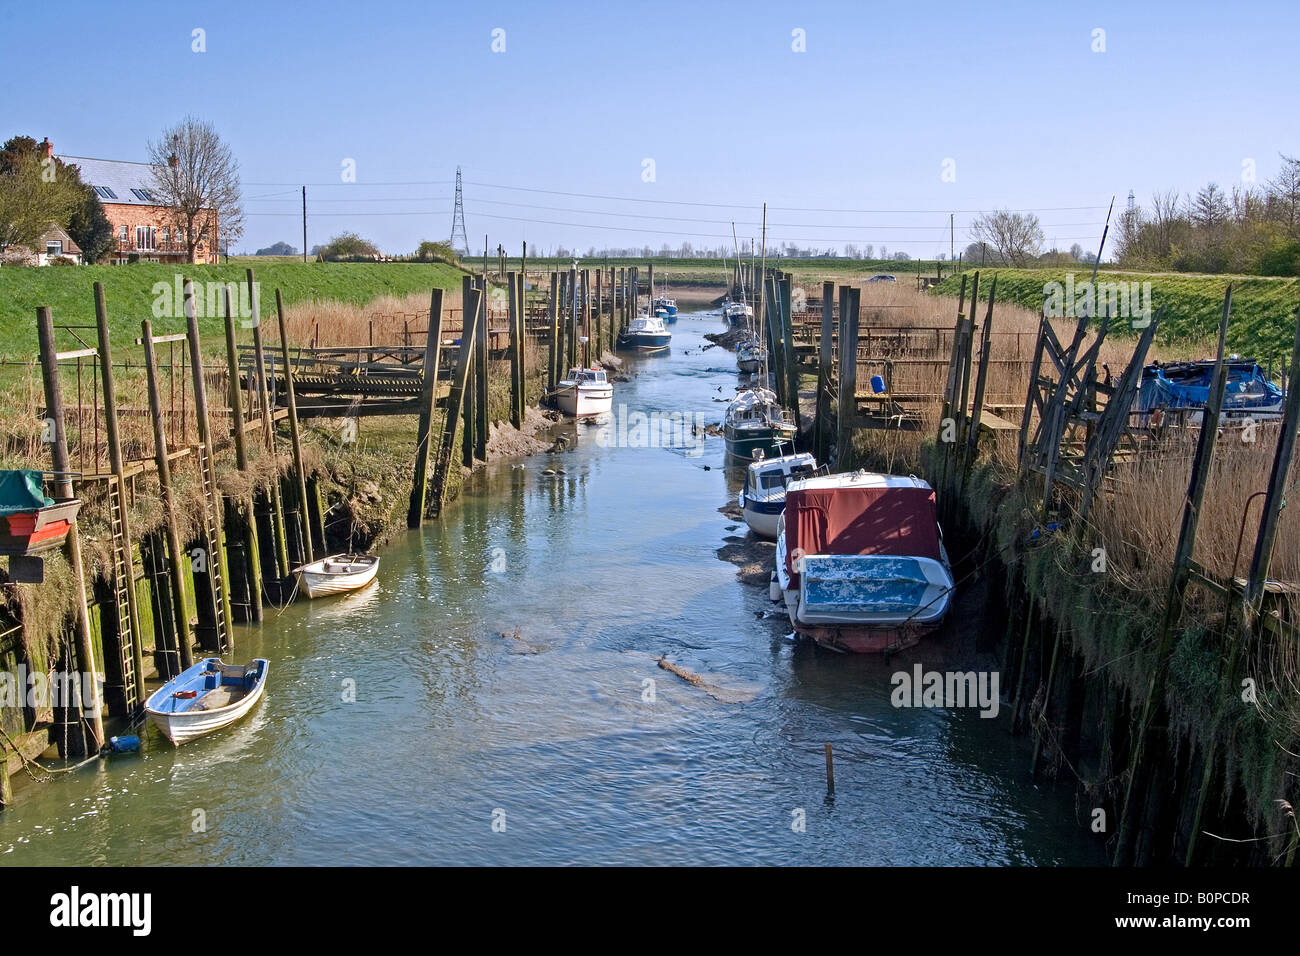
(645, 333)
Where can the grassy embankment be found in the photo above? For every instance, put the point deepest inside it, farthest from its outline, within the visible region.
(1263, 310)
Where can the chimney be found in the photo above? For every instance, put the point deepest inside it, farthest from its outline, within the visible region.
(46, 148)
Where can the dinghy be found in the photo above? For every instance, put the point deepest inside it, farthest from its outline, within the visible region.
(206, 697)
(337, 574)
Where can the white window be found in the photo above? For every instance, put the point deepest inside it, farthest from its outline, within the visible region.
(146, 237)
(54, 247)
(125, 236)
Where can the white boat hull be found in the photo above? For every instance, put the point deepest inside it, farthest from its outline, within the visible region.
(584, 400)
(185, 726)
(314, 581)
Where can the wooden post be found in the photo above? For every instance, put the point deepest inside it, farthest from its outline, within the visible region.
(92, 715)
(217, 596)
(516, 353)
(467, 356)
(586, 315)
(572, 336)
(848, 385)
(481, 364)
(776, 364)
(791, 357)
(250, 544)
(830, 770)
(822, 433)
(460, 389)
(1276, 482)
(118, 467)
(1176, 595)
(981, 382)
(597, 339)
(428, 396)
(280, 544)
(294, 435)
(553, 313)
(176, 556)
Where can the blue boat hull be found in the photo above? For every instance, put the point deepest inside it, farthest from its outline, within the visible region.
(645, 342)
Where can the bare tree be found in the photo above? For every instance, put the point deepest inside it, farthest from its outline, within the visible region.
(1284, 194)
(1016, 236)
(196, 175)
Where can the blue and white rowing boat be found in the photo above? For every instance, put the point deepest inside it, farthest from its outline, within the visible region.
(206, 697)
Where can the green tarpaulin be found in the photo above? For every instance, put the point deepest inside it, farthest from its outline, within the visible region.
(20, 490)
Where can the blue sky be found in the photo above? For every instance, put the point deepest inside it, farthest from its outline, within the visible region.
(846, 140)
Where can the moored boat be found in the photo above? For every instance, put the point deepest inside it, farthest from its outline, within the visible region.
(860, 561)
(1186, 385)
(755, 422)
(586, 391)
(206, 697)
(751, 356)
(645, 333)
(337, 574)
(763, 498)
(666, 308)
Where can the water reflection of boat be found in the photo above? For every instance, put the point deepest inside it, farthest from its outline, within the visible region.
(336, 574)
(763, 498)
(586, 391)
(860, 561)
(756, 422)
(645, 333)
(206, 697)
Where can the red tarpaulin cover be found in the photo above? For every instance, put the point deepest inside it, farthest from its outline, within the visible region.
(889, 521)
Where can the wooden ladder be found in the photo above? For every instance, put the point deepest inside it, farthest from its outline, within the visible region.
(212, 536)
(123, 579)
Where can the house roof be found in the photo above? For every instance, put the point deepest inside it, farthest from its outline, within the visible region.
(117, 181)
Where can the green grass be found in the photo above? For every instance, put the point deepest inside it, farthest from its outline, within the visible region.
(129, 292)
(1263, 310)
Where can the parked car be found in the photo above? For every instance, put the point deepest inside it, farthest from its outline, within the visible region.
(882, 277)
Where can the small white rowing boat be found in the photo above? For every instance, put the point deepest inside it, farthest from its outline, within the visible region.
(337, 574)
(206, 697)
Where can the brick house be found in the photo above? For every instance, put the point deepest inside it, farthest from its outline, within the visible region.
(143, 228)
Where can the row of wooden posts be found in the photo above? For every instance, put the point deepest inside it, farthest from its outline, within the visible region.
(1070, 440)
(230, 549)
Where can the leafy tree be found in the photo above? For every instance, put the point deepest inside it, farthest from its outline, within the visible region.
(34, 192)
(278, 249)
(348, 245)
(436, 252)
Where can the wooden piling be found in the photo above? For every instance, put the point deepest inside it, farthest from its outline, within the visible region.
(251, 570)
(176, 556)
(125, 543)
(553, 353)
(468, 356)
(428, 396)
(295, 436)
(481, 365)
(830, 770)
(91, 716)
(516, 353)
(460, 389)
(821, 424)
(215, 597)
(785, 289)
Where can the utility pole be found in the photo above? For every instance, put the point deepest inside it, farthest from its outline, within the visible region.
(304, 223)
(952, 238)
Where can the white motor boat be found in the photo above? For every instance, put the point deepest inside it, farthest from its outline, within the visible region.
(763, 498)
(337, 574)
(586, 391)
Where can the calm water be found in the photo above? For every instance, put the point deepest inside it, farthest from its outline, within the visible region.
(606, 568)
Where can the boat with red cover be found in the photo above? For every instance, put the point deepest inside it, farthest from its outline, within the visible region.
(860, 561)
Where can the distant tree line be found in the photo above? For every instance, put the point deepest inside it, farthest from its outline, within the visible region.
(1252, 230)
